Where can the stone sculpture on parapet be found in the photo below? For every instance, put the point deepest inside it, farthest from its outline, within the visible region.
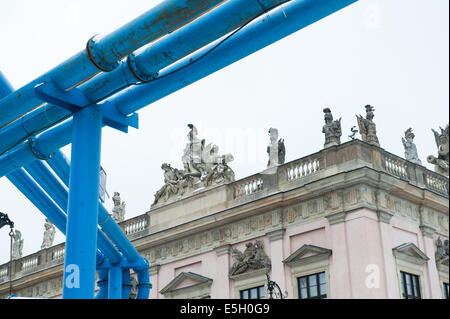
(203, 168)
(49, 234)
(118, 211)
(441, 163)
(331, 129)
(367, 127)
(17, 245)
(253, 257)
(410, 148)
(276, 149)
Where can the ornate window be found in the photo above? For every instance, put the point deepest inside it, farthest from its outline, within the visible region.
(410, 286)
(313, 286)
(309, 268)
(253, 293)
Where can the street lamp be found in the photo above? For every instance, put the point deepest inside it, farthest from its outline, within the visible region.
(270, 287)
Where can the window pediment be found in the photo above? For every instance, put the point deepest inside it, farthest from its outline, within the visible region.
(411, 253)
(308, 254)
(187, 285)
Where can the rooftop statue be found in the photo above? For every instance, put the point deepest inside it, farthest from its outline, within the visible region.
(276, 149)
(203, 167)
(331, 129)
(49, 234)
(441, 163)
(253, 257)
(354, 131)
(17, 245)
(118, 211)
(410, 148)
(367, 127)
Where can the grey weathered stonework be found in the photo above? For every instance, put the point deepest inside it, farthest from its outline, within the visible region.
(331, 129)
(49, 235)
(17, 245)
(441, 162)
(118, 211)
(252, 258)
(203, 168)
(367, 127)
(410, 148)
(276, 149)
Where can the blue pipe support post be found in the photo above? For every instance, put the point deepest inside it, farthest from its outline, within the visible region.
(126, 284)
(278, 23)
(81, 238)
(106, 53)
(145, 64)
(115, 282)
(102, 284)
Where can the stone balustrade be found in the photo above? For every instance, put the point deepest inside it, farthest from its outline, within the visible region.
(301, 168)
(135, 225)
(30, 263)
(395, 165)
(248, 186)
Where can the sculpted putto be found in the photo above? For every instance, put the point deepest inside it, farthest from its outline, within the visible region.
(367, 127)
(203, 167)
(410, 148)
(253, 257)
(118, 211)
(331, 129)
(441, 163)
(49, 234)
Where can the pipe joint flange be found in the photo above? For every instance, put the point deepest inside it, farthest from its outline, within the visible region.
(131, 61)
(33, 148)
(96, 59)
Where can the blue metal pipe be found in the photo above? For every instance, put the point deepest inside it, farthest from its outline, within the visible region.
(115, 283)
(83, 205)
(275, 25)
(102, 284)
(60, 165)
(145, 64)
(105, 53)
(126, 284)
(143, 286)
(5, 87)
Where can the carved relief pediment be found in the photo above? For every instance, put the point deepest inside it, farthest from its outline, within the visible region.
(308, 254)
(410, 252)
(252, 259)
(187, 285)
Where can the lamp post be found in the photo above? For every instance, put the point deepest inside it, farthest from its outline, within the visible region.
(270, 287)
(4, 220)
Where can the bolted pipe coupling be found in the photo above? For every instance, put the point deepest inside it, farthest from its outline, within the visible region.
(97, 58)
(131, 62)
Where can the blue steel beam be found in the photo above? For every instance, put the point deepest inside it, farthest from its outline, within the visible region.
(144, 64)
(277, 24)
(105, 53)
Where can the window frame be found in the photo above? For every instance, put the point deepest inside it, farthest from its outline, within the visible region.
(258, 291)
(318, 284)
(415, 280)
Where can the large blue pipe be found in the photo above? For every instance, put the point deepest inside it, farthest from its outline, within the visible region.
(144, 65)
(275, 25)
(105, 54)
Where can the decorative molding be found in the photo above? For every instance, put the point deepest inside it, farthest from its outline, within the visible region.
(384, 216)
(154, 269)
(308, 254)
(222, 250)
(410, 253)
(336, 218)
(200, 288)
(276, 234)
(427, 231)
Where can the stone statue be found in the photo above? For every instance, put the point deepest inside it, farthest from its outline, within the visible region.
(367, 127)
(410, 148)
(276, 149)
(49, 234)
(17, 245)
(441, 249)
(331, 129)
(441, 163)
(253, 257)
(203, 167)
(118, 211)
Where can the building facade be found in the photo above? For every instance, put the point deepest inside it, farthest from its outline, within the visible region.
(350, 221)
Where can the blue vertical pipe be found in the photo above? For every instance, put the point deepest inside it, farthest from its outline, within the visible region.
(83, 203)
(105, 53)
(126, 284)
(102, 284)
(115, 282)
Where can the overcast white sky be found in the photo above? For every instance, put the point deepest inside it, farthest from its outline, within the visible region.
(392, 54)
